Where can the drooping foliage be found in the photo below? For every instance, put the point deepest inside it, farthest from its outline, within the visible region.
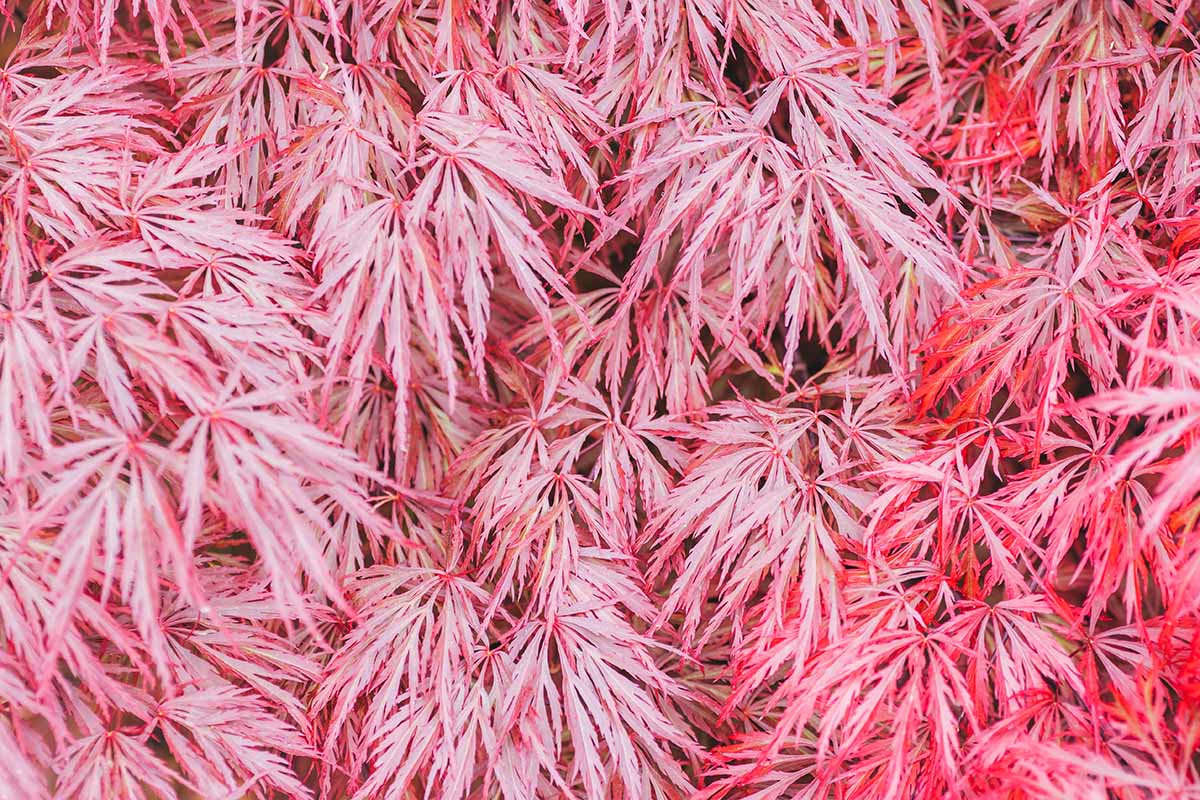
(621, 400)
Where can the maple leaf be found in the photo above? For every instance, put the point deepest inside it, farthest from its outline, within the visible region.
(624, 399)
(776, 532)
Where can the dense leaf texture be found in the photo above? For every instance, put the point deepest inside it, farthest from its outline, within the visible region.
(599, 399)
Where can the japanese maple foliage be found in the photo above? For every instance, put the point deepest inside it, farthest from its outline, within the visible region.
(622, 400)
